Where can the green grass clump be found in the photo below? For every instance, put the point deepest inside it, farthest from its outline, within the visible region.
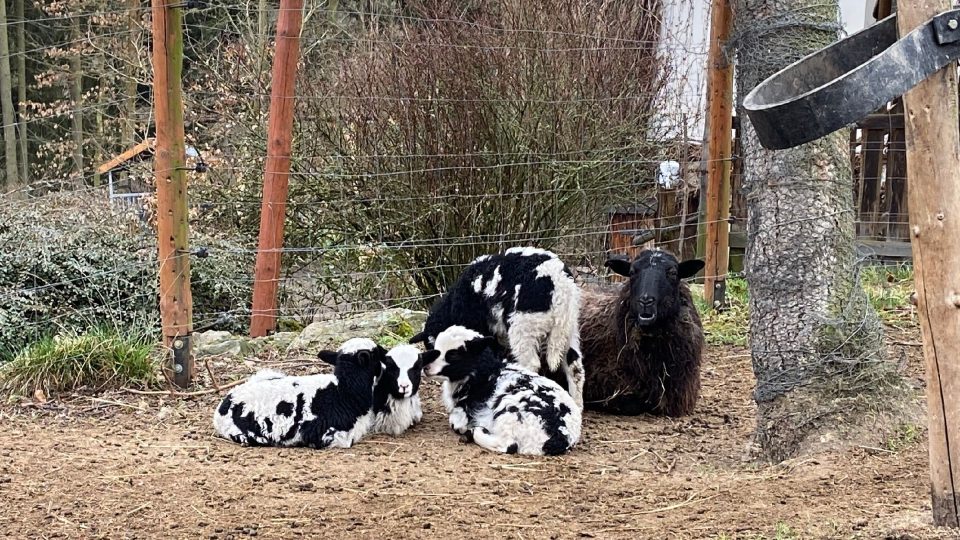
(730, 326)
(889, 289)
(905, 435)
(99, 358)
(399, 332)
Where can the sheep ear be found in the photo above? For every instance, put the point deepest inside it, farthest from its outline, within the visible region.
(428, 357)
(689, 268)
(329, 357)
(422, 336)
(476, 346)
(363, 358)
(618, 265)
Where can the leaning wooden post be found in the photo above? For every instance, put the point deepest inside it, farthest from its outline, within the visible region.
(276, 176)
(176, 303)
(719, 142)
(933, 172)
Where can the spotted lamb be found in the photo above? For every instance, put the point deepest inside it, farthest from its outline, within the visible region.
(317, 411)
(498, 404)
(396, 398)
(525, 297)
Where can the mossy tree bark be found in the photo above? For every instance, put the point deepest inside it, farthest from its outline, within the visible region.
(816, 343)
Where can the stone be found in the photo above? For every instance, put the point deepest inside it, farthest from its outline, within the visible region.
(377, 325)
(219, 343)
(279, 341)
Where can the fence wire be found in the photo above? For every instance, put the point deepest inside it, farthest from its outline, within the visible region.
(425, 136)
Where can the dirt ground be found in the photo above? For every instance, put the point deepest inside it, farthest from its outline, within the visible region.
(120, 465)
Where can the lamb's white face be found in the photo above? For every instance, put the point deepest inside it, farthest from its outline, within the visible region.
(450, 339)
(405, 357)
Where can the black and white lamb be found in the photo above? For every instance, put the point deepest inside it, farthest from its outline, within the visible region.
(498, 404)
(525, 297)
(318, 411)
(396, 398)
(642, 344)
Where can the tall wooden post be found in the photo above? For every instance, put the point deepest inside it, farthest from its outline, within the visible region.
(276, 176)
(719, 141)
(176, 303)
(933, 147)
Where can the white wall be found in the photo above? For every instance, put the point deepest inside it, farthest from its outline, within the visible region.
(685, 40)
(856, 14)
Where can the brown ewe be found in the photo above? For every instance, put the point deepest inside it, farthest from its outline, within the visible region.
(642, 345)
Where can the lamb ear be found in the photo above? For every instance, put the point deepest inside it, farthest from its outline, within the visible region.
(619, 265)
(363, 358)
(689, 268)
(422, 336)
(428, 357)
(476, 346)
(329, 357)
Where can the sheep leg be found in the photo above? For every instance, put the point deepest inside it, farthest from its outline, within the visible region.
(417, 410)
(491, 442)
(459, 420)
(342, 439)
(563, 354)
(573, 369)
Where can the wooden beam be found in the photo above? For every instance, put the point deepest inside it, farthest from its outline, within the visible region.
(176, 302)
(933, 147)
(276, 176)
(885, 121)
(126, 155)
(885, 248)
(719, 140)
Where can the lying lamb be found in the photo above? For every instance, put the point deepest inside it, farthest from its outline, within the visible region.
(499, 405)
(527, 298)
(396, 398)
(318, 411)
(642, 346)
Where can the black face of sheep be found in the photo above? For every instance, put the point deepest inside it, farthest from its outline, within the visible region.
(654, 284)
(356, 355)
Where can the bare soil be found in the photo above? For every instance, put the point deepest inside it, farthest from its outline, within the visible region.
(121, 465)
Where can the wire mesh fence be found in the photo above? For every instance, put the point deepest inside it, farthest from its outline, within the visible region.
(426, 134)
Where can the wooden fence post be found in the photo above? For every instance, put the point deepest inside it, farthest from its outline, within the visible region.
(276, 176)
(933, 147)
(176, 303)
(719, 140)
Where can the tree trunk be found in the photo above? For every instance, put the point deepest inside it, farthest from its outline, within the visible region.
(131, 72)
(22, 92)
(6, 103)
(823, 378)
(101, 138)
(76, 97)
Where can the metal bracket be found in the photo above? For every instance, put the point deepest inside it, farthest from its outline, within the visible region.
(720, 294)
(182, 363)
(840, 84)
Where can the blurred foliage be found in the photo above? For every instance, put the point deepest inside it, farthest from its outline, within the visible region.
(69, 263)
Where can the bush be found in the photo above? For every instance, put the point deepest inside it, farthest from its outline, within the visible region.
(438, 142)
(96, 359)
(69, 263)
(433, 131)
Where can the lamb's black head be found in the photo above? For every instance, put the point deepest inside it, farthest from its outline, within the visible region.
(357, 354)
(654, 284)
(401, 371)
(456, 352)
